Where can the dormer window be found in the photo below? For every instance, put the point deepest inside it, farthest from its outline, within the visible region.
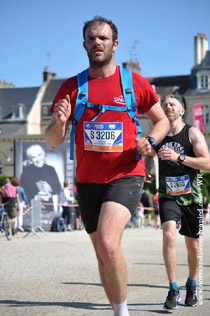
(46, 111)
(204, 82)
(203, 79)
(18, 111)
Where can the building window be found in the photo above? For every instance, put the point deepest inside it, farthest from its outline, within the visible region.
(19, 111)
(204, 82)
(205, 115)
(45, 111)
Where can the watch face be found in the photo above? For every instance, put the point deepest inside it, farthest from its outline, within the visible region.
(182, 157)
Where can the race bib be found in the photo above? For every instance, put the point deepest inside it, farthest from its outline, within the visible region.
(105, 137)
(178, 185)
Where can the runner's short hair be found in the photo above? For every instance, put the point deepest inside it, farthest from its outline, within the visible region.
(100, 20)
(174, 96)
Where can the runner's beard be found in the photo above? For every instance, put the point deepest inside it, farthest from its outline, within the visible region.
(173, 118)
(96, 64)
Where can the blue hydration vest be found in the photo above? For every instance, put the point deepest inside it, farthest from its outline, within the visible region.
(82, 102)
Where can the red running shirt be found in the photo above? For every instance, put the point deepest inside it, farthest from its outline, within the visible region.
(102, 167)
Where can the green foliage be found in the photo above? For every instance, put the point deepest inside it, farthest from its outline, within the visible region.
(206, 185)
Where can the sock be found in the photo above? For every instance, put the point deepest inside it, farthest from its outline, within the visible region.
(190, 282)
(173, 286)
(121, 309)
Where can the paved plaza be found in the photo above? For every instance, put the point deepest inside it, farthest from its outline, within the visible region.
(56, 275)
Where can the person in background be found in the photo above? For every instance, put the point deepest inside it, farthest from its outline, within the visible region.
(156, 209)
(109, 178)
(146, 201)
(182, 154)
(78, 218)
(208, 214)
(23, 201)
(65, 200)
(137, 217)
(140, 215)
(10, 198)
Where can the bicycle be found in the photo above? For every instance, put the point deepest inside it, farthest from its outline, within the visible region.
(5, 224)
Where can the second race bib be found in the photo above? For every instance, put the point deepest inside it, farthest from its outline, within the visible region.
(178, 185)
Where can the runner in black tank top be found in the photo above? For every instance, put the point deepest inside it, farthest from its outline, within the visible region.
(182, 153)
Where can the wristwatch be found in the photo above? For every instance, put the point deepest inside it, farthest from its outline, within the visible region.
(152, 141)
(181, 158)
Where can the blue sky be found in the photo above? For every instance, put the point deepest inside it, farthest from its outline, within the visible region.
(39, 33)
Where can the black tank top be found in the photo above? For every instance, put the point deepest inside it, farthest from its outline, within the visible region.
(181, 144)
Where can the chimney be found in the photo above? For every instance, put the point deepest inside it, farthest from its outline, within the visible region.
(201, 46)
(133, 66)
(47, 75)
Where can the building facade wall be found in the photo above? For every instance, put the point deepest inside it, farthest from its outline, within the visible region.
(13, 127)
(194, 100)
(34, 117)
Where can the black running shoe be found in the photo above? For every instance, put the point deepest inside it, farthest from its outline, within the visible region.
(191, 296)
(172, 300)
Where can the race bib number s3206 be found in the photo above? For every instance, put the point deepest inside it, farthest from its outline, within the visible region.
(107, 137)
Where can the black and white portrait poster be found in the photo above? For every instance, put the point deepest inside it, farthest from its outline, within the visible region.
(42, 171)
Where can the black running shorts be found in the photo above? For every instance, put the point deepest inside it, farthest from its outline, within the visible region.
(188, 215)
(125, 191)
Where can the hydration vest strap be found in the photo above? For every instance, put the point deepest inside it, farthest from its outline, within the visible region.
(72, 140)
(103, 108)
(82, 102)
(138, 127)
(82, 95)
(128, 92)
(130, 101)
